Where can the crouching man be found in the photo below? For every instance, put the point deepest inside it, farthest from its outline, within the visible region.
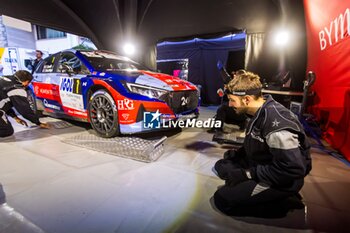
(13, 94)
(275, 157)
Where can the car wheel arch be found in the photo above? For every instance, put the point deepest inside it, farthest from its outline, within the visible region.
(93, 89)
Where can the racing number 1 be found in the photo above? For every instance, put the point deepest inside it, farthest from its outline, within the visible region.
(76, 86)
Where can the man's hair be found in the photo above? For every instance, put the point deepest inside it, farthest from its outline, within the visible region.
(245, 81)
(238, 72)
(39, 51)
(23, 75)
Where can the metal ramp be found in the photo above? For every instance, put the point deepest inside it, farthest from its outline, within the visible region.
(228, 138)
(126, 147)
(231, 134)
(60, 124)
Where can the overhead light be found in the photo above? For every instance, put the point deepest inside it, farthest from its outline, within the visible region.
(129, 49)
(282, 38)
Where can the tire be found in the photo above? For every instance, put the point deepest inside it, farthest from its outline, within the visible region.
(103, 114)
(32, 102)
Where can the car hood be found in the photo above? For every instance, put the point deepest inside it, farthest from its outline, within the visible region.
(157, 80)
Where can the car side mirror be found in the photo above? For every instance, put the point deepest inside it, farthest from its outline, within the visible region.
(65, 68)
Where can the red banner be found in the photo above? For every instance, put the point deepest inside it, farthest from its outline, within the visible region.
(328, 28)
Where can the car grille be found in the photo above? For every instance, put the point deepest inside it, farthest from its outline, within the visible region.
(181, 101)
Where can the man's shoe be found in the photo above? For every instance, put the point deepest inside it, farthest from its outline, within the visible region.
(293, 202)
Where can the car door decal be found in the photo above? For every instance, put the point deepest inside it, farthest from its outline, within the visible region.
(70, 93)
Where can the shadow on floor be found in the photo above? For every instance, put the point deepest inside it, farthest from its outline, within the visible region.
(324, 208)
(38, 133)
(288, 213)
(199, 145)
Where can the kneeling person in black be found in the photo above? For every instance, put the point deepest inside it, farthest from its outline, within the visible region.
(225, 113)
(13, 94)
(275, 157)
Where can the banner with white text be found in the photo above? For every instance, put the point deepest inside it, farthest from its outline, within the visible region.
(328, 27)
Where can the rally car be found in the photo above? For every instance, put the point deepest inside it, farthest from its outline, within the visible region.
(111, 92)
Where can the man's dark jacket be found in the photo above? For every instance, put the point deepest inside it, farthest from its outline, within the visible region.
(277, 148)
(13, 94)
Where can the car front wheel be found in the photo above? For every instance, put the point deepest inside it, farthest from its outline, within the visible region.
(32, 103)
(103, 114)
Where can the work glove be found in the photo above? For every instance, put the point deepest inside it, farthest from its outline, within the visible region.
(236, 176)
(229, 154)
(223, 168)
(233, 155)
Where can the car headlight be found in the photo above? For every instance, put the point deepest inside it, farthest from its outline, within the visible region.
(150, 92)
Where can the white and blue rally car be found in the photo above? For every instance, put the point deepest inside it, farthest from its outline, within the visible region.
(109, 91)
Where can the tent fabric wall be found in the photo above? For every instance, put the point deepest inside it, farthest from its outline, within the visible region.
(203, 56)
(261, 57)
(328, 28)
(254, 47)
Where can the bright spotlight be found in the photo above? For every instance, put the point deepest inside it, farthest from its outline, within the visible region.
(129, 49)
(282, 38)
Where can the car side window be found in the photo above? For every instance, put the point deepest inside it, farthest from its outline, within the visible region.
(47, 65)
(73, 62)
(125, 66)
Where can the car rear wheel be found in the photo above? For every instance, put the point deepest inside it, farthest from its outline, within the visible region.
(103, 114)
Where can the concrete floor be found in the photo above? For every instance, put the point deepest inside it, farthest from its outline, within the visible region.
(51, 186)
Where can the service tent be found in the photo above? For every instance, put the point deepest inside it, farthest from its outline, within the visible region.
(111, 23)
(203, 55)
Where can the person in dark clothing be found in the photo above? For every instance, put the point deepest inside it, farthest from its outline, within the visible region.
(274, 159)
(13, 94)
(2, 195)
(225, 113)
(39, 55)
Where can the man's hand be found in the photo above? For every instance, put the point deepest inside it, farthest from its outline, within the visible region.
(229, 154)
(236, 176)
(44, 125)
(20, 121)
(235, 156)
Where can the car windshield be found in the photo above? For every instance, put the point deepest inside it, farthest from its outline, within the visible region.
(109, 64)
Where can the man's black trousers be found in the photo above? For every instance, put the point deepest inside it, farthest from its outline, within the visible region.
(6, 128)
(250, 197)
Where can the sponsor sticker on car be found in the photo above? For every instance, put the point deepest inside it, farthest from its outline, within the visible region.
(125, 104)
(70, 93)
(48, 104)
